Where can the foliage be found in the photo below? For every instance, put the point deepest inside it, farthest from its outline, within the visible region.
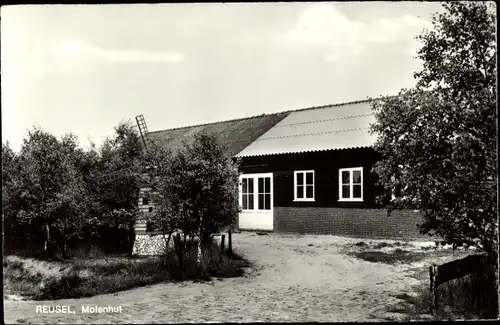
(52, 183)
(197, 182)
(438, 140)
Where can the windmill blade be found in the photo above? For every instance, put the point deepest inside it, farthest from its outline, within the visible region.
(143, 129)
(110, 177)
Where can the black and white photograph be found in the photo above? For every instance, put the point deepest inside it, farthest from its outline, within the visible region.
(271, 162)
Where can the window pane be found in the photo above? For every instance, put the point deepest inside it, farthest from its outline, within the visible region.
(309, 191)
(244, 183)
(300, 178)
(245, 201)
(356, 191)
(267, 204)
(267, 186)
(346, 194)
(300, 192)
(250, 186)
(356, 177)
(261, 202)
(345, 177)
(309, 178)
(260, 181)
(250, 201)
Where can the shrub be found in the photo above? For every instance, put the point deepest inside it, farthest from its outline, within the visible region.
(474, 296)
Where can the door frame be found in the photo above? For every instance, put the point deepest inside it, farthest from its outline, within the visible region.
(256, 210)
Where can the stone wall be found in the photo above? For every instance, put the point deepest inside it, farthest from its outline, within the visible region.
(149, 245)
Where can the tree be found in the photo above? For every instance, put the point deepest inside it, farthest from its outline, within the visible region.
(198, 187)
(115, 204)
(438, 140)
(9, 168)
(47, 189)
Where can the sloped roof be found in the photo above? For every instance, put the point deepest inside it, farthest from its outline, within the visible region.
(340, 126)
(234, 134)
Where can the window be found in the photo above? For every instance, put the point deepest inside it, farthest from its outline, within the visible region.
(351, 184)
(304, 185)
(264, 192)
(145, 201)
(247, 193)
(150, 209)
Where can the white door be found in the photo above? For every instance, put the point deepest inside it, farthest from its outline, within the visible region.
(256, 200)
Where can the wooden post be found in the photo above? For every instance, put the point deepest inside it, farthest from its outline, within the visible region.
(222, 240)
(431, 287)
(433, 270)
(230, 243)
(179, 249)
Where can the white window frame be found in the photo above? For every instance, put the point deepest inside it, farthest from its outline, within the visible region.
(303, 199)
(350, 198)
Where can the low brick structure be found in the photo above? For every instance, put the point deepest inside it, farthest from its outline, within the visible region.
(363, 223)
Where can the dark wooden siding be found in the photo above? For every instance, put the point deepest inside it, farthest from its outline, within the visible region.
(326, 165)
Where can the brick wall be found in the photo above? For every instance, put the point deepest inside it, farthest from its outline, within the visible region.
(363, 223)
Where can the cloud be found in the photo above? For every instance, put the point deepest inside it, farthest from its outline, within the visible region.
(79, 49)
(325, 26)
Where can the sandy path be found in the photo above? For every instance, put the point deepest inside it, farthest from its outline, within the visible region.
(296, 278)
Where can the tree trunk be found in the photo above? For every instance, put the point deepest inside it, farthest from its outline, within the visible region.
(167, 240)
(47, 240)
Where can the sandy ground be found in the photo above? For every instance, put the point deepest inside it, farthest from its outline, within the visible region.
(296, 278)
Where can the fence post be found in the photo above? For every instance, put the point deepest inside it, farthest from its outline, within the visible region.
(179, 250)
(431, 287)
(433, 270)
(230, 243)
(436, 299)
(222, 240)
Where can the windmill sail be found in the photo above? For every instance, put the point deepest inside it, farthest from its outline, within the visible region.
(110, 177)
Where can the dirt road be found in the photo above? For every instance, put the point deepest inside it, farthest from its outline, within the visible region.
(296, 278)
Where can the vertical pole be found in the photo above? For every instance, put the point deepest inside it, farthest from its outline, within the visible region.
(431, 287)
(222, 240)
(179, 250)
(436, 270)
(230, 243)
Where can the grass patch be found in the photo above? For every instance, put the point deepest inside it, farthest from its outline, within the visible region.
(50, 280)
(474, 296)
(397, 256)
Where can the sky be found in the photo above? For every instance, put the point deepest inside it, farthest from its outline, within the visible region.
(85, 68)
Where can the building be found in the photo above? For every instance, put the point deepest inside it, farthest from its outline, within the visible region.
(306, 171)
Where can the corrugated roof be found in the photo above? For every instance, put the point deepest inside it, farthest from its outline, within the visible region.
(330, 127)
(234, 134)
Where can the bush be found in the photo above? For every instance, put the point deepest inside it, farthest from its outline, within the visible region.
(474, 296)
(217, 263)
